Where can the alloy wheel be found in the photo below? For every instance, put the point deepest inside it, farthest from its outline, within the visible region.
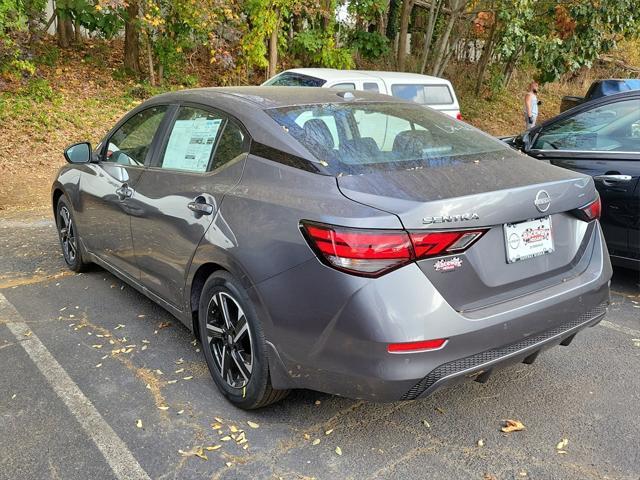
(67, 235)
(229, 338)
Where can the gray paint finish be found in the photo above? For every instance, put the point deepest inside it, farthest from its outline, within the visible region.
(326, 329)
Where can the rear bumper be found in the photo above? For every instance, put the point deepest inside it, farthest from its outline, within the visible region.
(329, 331)
(524, 351)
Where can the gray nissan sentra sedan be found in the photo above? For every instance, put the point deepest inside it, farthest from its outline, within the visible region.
(346, 242)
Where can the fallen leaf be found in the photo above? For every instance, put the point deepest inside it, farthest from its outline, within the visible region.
(29, 333)
(139, 423)
(98, 365)
(188, 378)
(329, 432)
(180, 412)
(439, 410)
(163, 325)
(194, 452)
(172, 381)
(338, 450)
(426, 423)
(229, 464)
(96, 346)
(316, 442)
(481, 443)
(216, 426)
(213, 447)
(636, 342)
(226, 438)
(217, 419)
(562, 444)
(180, 370)
(163, 407)
(253, 424)
(233, 429)
(317, 402)
(512, 426)
(307, 436)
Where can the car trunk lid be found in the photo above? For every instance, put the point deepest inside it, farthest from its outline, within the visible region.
(486, 194)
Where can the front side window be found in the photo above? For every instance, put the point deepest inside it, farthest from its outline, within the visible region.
(130, 144)
(384, 136)
(192, 140)
(607, 128)
(292, 79)
(423, 94)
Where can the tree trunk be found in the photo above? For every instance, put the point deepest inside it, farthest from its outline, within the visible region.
(510, 66)
(405, 16)
(68, 29)
(443, 44)
(487, 51)
(392, 20)
(61, 33)
(273, 49)
(434, 11)
(152, 75)
(78, 32)
(132, 39)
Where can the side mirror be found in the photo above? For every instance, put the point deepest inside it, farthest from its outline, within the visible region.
(78, 153)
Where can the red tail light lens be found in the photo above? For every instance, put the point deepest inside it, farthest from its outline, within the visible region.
(590, 211)
(431, 244)
(458, 116)
(372, 253)
(412, 347)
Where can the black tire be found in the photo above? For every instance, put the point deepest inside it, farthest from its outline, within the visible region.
(69, 238)
(246, 383)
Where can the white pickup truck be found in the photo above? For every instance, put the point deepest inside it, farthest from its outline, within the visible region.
(433, 92)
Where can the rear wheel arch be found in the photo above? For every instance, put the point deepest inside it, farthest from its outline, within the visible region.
(200, 277)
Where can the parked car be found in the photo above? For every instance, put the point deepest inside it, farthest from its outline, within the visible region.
(600, 138)
(600, 88)
(433, 92)
(381, 264)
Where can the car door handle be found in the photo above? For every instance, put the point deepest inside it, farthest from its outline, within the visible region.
(200, 205)
(613, 178)
(124, 192)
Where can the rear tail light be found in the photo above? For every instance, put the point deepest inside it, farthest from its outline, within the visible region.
(458, 116)
(372, 253)
(590, 211)
(412, 347)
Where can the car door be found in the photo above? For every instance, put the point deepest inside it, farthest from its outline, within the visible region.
(107, 188)
(602, 141)
(201, 158)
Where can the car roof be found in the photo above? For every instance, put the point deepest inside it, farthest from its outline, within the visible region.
(271, 97)
(336, 74)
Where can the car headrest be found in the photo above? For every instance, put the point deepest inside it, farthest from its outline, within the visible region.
(317, 131)
(412, 142)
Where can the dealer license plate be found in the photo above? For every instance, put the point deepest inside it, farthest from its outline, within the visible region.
(529, 239)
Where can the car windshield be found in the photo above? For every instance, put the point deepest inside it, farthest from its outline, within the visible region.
(355, 138)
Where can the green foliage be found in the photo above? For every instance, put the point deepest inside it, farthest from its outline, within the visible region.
(317, 49)
(49, 56)
(371, 45)
(38, 90)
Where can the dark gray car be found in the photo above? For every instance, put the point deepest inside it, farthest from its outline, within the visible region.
(346, 242)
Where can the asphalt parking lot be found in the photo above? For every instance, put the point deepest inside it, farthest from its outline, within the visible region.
(97, 382)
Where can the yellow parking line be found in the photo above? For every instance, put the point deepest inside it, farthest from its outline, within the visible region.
(22, 281)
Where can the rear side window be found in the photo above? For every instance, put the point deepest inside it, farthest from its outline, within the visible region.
(423, 94)
(292, 79)
(344, 86)
(370, 87)
(233, 143)
(192, 140)
(384, 136)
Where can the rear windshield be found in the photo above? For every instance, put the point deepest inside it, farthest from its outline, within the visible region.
(353, 138)
(423, 94)
(292, 79)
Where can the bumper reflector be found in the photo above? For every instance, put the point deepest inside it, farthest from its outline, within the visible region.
(422, 346)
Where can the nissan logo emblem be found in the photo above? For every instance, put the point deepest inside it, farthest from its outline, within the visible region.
(542, 201)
